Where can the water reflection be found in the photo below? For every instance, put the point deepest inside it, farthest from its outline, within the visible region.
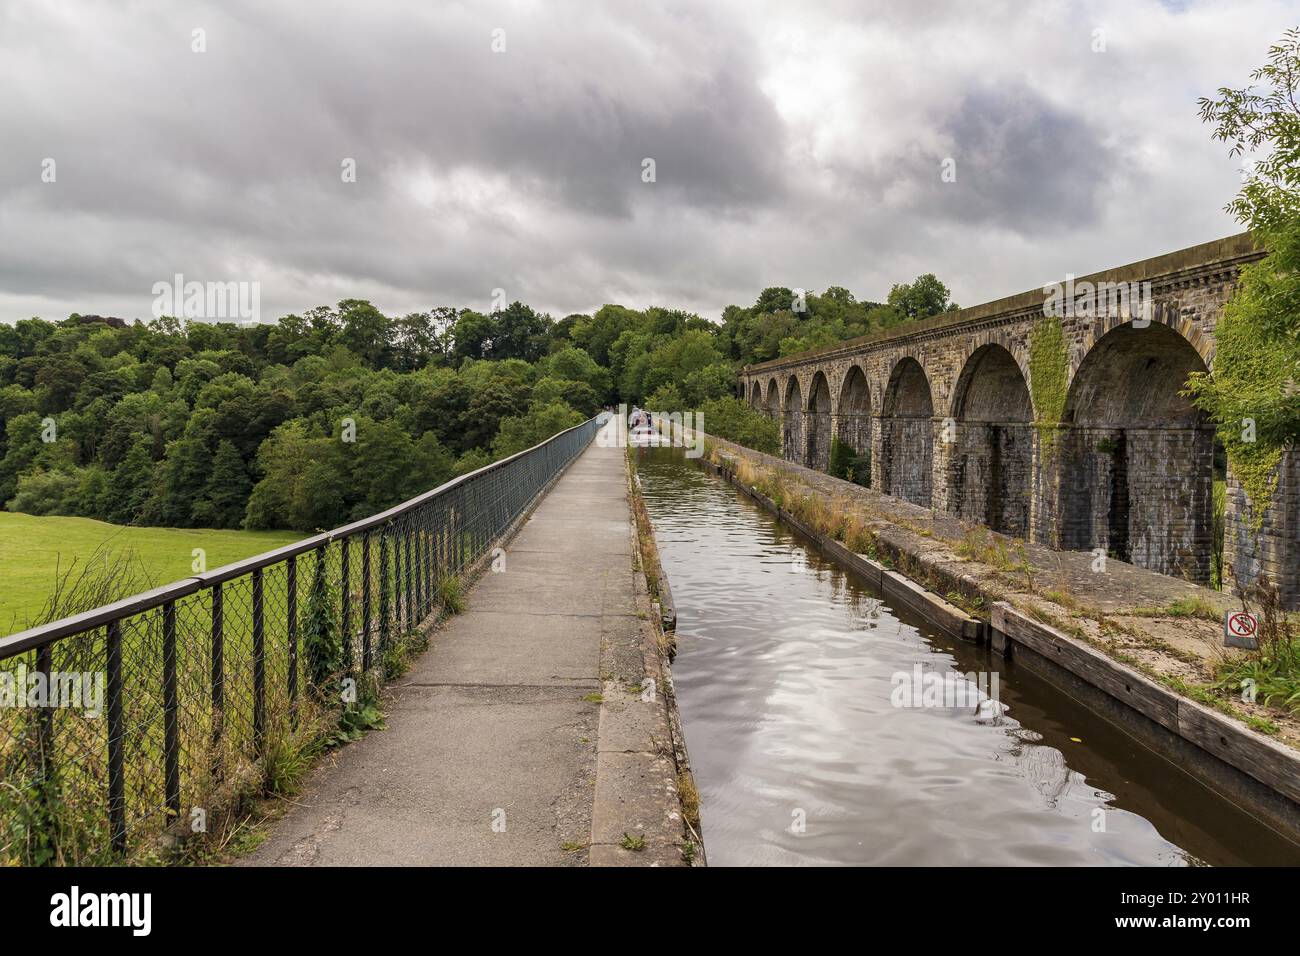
(784, 675)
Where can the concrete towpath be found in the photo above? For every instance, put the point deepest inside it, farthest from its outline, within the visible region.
(491, 752)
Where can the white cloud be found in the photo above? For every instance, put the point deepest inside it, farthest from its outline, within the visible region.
(795, 144)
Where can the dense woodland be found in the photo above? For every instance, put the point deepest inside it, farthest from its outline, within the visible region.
(341, 412)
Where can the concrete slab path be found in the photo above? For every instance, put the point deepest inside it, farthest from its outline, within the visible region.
(490, 752)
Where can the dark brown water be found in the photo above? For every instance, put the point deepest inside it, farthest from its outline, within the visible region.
(784, 674)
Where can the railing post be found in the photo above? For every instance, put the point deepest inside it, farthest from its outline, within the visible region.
(396, 582)
(45, 719)
(45, 730)
(171, 713)
(345, 572)
(430, 540)
(259, 665)
(116, 743)
(218, 676)
(365, 602)
(421, 608)
(383, 595)
(318, 602)
(454, 532)
(291, 612)
(412, 614)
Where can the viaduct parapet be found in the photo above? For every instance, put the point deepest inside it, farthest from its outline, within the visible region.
(1062, 422)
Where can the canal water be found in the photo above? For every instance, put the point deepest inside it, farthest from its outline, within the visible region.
(789, 675)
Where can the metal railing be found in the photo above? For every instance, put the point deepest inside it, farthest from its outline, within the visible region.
(200, 677)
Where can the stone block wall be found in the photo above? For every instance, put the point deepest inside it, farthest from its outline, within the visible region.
(902, 461)
(1130, 468)
(854, 431)
(989, 474)
(1170, 491)
(819, 439)
(1143, 495)
(1273, 549)
(792, 437)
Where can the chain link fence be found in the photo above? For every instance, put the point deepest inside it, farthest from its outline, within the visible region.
(129, 720)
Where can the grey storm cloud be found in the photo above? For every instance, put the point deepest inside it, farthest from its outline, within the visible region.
(793, 144)
(1024, 164)
(1001, 159)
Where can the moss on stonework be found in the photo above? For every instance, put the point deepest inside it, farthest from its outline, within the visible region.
(1049, 375)
(1255, 466)
(1255, 357)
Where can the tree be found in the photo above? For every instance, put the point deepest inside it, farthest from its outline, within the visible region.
(538, 424)
(774, 299)
(61, 376)
(200, 423)
(759, 338)
(182, 477)
(520, 333)
(498, 398)
(577, 395)
(93, 491)
(305, 481)
(1253, 393)
(365, 331)
(472, 460)
(22, 447)
(471, 337)
(132, 483)
(439, 406)
(735, 420)
(922, 298)
(45, 493)
(712, 381)
(142, 413)
(417, 341)
(244, 413)
(434, 464)
(226, 494)
(595, 335)
(387, 467)
(192, 375)
(576, 365)
(665, 398)
(561, 334)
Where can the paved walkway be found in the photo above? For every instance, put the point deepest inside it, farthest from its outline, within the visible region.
(490, 753)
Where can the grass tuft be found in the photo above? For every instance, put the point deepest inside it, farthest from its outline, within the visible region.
(451, 593)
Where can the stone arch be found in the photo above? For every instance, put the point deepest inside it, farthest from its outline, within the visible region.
(818, 422)
(792, 445)
(1163, 313)
(756, 395)
(773, 404)
(991, 464)
(907, 433)
(1136, 464)
(853, 423)
(1016, 349)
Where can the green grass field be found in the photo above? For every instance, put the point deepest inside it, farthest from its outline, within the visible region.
(34, 550)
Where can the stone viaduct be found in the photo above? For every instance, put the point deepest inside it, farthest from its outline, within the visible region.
(1066, 429)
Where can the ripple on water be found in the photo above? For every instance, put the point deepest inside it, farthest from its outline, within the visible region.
(783, 675)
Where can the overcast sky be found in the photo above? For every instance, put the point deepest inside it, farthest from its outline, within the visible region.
(797, 143)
